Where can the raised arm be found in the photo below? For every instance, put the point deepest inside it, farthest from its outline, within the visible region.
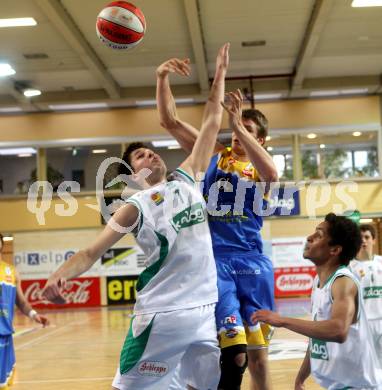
(258, 156)
(125, 217)
(182, 131)
(204, 146)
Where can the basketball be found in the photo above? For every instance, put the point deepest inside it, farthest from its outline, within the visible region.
(121, 25)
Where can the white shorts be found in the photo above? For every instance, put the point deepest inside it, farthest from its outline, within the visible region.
(158, 344)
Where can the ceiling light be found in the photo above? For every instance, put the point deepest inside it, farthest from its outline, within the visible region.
(269, 148)
(268, 96)
(165, 143)
(268, 138)
(146, 103)
(32, 92)
(7, 238)
(153, 102)
(10, 109)
(6, 70)
(312, 136)
(357, 134)
(174, 147)
(322, 146)
(99, 151)
(354, 91)
(24, 155)
(17, 22)
(324, 93)
(79, 106)
(16, 151)
(366, 220)
(366, 3)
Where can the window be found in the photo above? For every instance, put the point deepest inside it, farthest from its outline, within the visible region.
(280, 148)
(80, 164)
(17, 170)
(340, 156)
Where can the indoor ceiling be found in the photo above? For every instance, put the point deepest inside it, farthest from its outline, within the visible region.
(309, 48)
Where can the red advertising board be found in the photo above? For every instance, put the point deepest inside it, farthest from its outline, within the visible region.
(81, 292)
(294, 281)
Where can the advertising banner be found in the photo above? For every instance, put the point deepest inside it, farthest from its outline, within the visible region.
(80, 292)
(294, 281)
(41, 264)
(121, 289)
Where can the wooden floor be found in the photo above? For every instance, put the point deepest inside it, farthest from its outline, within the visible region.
(80, 351)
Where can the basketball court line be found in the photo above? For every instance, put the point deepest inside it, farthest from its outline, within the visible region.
(38, 339)
(67, 380)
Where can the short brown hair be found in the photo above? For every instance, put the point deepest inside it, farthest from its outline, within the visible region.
(368, 228)
(259, 118)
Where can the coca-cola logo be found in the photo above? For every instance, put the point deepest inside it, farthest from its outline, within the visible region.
(294, 282)
(153, 368)
(76, 292)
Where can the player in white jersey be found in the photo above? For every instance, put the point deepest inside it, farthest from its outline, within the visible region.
(368, 267)
(174, 322)
(341, 353)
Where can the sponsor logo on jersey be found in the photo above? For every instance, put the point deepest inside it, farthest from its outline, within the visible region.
(192, 215)
(153, 368)
(157, 198)
(231, 333)
(318, 349)
(230, 320)
(372, 292)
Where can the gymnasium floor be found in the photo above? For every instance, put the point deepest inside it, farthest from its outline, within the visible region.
(80, 349)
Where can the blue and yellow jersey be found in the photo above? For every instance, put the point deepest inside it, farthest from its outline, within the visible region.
(234, 203)
(7, 297)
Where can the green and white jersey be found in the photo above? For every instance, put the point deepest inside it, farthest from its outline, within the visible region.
(174, 235)
(370, 277)
(352, 364)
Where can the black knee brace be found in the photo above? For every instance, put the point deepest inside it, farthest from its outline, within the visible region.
(231, 372)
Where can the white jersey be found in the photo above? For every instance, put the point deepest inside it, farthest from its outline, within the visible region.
(370, 275)
(175, 237)
(352, 364)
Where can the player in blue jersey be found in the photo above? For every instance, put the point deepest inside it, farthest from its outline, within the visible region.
(11, 294)
(245, 274)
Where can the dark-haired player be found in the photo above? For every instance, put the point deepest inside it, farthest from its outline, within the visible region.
(341, 353)
(174, 314)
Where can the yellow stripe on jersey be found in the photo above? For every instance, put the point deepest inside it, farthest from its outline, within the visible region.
(242, 169)
(7, 274)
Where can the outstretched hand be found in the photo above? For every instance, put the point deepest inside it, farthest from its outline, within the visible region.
(234, 106)
(222, 59)
(53, 290)
(174, 65)
(268, 317)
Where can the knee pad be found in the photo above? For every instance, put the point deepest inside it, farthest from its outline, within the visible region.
(231, 372)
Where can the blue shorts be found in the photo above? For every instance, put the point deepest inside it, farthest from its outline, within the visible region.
(7, 360)
(245, 284)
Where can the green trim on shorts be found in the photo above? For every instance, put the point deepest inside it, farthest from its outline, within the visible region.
(133, 348)
(153, 269)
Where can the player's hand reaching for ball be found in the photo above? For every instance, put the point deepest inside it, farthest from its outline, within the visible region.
(268, 317)
(53, 290)
(234, 107)
(174, 65)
